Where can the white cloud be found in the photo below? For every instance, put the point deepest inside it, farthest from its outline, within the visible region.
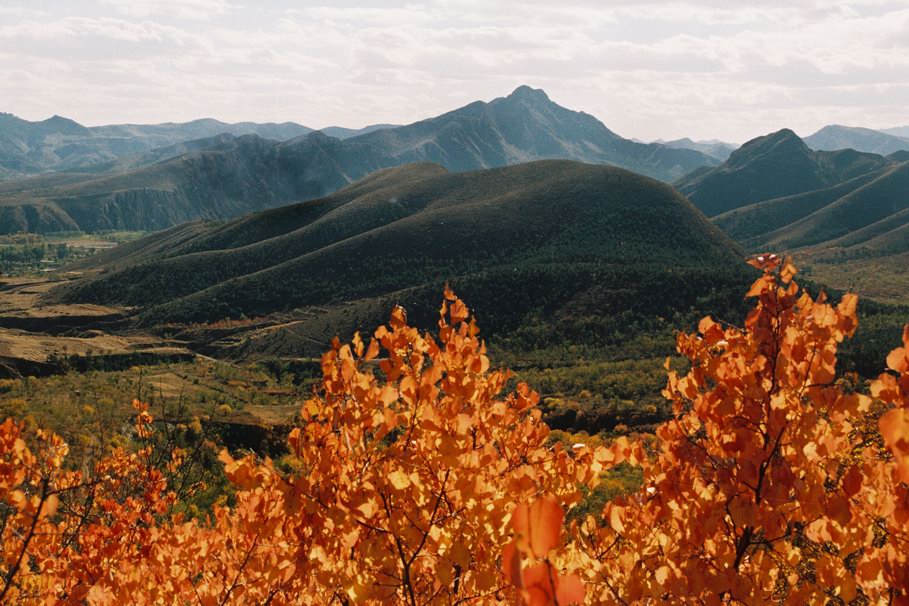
(181, 9)
(700, 68)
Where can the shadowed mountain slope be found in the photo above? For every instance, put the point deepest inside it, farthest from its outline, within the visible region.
(867, 214)
(774, 166)
(587, 245)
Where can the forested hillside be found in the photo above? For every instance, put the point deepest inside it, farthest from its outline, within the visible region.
(599, 251)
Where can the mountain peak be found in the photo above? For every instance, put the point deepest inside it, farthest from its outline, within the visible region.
(784, 139)
(64, 125)
(783, 134)
(526, 92)
(58, 119)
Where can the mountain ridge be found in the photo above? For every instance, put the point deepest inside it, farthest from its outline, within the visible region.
(713, 147)
(248, 173)
(776, 165)
(835, 137)
(29, 148)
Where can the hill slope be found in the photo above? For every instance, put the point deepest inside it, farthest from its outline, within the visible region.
(852, 235)
(599, 251)
(233, 176)
(834, 137)
(774, 166)
(869, 214)
(524, 126)
(237, 175)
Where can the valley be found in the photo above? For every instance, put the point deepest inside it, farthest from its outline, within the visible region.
(454, 303)
(580, 274)
(574, 270)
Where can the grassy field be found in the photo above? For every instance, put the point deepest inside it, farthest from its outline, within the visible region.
(93, 408)
(31, 254)
(884, 279)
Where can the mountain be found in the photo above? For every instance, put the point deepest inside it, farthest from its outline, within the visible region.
(543, 250)
(854, 235)
(157, 135)
(524, 126)
(31, 148)
(834, 137)
(713, 148)
(899, 131)
(233, 176)
(773, 166)
(868, 211)
(339, 132)
(236, 175)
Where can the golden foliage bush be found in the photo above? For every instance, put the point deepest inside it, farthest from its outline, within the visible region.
(412, 479)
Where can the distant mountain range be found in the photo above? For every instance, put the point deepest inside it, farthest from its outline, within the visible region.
(31, 148)
(836, 137)
(339, 132)
(713, 148)
(58, 144)
(773, 166)
(227, 175)
(577, 251)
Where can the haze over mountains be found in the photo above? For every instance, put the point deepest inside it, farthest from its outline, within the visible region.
(31, 148)
(713, 148)
(59, 144)
(230, 175)
(899, 131)
(834, 137)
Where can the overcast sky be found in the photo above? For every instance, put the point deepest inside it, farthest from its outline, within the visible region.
(698, 68)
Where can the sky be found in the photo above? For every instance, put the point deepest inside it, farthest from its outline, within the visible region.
(697, 68)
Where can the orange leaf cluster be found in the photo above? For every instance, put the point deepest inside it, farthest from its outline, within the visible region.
(538, 530)
(416, 481)
(763, 489)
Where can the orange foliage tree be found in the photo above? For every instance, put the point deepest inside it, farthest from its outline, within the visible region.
(414, 480)
(765, 487)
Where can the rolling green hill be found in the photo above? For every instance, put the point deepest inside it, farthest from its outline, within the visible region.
(228, 176)
(864, 216)
(550, 250)
(774, 166)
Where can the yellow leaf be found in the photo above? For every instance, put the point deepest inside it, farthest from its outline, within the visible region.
(399, 480)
